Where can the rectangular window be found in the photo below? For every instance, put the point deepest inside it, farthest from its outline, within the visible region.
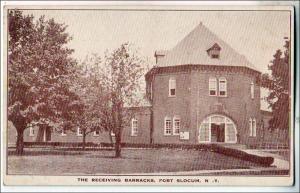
(176, 125)
(79, 132)
(63, 132)
(250, 127)
(134, 127)
(96, 133)
(168, 126)
(172, 87)
(253, 128)
(212, 86)
(31, 131)
(112, 134)
(252, 90)
(222, 87)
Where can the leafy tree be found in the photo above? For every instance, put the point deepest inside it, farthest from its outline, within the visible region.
(121, 76)
(40, 68)
(93, 98)
(278, 84)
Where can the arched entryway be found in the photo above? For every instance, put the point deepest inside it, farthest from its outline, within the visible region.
(217, 129)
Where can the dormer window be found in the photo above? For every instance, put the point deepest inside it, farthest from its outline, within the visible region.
(214, 51)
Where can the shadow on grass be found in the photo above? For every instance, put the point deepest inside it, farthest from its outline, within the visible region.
(43, 152)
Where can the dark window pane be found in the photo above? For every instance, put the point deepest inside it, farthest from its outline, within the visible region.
(212, 92)
(222, 93)
(172, 92)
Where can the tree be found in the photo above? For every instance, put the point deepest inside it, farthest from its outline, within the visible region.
(88, 86)
(39, 71)
(278, 84)
(121, 77)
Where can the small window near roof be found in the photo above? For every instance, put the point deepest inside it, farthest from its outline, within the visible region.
(172, 87)
(214, 51)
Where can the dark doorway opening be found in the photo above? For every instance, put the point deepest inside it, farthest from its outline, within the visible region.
(217, 132)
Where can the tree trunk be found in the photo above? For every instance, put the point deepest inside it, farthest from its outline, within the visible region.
(83, 140)
(118, 145)
(20, 142)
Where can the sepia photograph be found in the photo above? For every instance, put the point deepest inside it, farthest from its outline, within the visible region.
(168, 95)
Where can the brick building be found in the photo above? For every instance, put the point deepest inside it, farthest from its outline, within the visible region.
(200, 91)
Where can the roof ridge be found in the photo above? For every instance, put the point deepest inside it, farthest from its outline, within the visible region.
(185, 51)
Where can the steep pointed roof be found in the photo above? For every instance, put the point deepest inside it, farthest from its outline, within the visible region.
(193, 50)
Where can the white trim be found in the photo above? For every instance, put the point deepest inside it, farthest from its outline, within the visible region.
(223, 79)
(63, 133)
(134, 127)
(172, 85)
(253, 127)
(165, 125)
(95, 133)
(174, 119)
(227, 120)
(78, 132)
(252, 90)
(250, 127)
(212, 86)
(31, 131)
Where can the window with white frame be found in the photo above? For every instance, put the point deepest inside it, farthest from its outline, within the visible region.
(31, 131)
(112, 134)
(252, 127)
(172, 87)
(168, 126)
(212, 86)
(134, 127)
(176, 125)
(79, 132)
(63, 132)
(96, 133)
(252, 90)
(222, 87)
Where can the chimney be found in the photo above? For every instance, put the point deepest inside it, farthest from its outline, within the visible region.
(159, 55)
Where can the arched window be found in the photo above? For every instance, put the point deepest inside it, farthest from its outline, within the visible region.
(222, 87)
(217, 128)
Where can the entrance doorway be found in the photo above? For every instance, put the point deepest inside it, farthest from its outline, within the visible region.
(217, 132)
(217, 128)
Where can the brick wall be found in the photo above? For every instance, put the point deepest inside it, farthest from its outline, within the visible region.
(193, 103)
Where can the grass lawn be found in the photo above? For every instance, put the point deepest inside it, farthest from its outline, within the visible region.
(60, 162)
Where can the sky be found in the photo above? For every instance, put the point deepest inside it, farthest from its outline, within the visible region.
(255, 34)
